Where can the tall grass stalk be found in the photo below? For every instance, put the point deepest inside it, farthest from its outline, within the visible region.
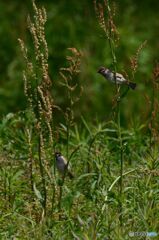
(37, 86)
(68, 75)
(105, 18)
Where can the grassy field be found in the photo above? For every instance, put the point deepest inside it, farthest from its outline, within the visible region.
(114, 193)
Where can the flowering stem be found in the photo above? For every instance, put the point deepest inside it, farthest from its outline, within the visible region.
(118, 99)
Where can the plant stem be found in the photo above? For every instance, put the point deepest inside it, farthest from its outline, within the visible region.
(112, 48)
(42, 176)
(121, 165)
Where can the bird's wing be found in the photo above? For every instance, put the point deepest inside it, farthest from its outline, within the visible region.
(65, 162)
(64, 159)
(118, 75)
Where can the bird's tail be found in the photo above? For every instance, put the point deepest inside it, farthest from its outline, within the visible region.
(132, 85)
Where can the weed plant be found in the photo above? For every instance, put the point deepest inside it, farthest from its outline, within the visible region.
(115, 189)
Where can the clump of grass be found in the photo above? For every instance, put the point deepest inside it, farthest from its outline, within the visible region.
(37, 88)
(153, 124)
(105, 19)
(115, 189)
(105, 16)
(68, 75)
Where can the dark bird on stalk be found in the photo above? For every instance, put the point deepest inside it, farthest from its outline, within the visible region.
(62, 165)
(115, 77)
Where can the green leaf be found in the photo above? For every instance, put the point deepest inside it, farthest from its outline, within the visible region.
(37, 193)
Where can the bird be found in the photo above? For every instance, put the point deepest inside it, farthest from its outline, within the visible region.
(115, 77)
(62, 165)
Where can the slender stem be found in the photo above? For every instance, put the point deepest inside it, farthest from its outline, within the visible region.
(59, 202)
(31, 173)
(42, 176)
(53, 198)
(151, 112)
(121, 167)
(68, 135)
(39, 143)
(30, 161)
(112, 48)
(53, 163)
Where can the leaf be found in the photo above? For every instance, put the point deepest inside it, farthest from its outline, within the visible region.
(86, 125)
(86, 175)
(17, 175)
(38, 193)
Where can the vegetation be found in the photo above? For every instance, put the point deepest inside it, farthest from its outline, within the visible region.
(108, 133)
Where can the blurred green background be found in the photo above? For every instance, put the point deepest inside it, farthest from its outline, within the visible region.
(73, 23)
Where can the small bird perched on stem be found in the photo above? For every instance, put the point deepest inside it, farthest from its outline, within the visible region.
(62, 165)
(115, 77)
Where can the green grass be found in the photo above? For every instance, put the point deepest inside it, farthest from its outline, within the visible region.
(116, 168)
(90, 204)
